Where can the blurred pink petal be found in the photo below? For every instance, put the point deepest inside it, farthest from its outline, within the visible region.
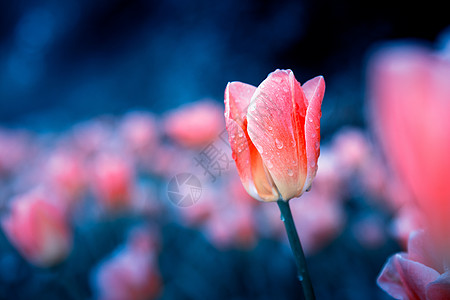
(195, 125)
(130, 273)
(352, 148)
(37, 227)
(318, 221)
(406, 279)
(407, 220)
(417, 274)
(440, 288)
(232, 226)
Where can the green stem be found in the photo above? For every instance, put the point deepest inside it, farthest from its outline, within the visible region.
(297, 250)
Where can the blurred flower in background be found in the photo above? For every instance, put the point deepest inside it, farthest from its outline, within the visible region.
(417, 274)
(409, 93)
(131, 272)
(38, 227)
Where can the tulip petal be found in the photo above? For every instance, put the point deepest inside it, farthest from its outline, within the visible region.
(276, 118)
(440, 288)
(406, 279)
(254, 176)
(237, 100)
(314, 90)
(419, 250)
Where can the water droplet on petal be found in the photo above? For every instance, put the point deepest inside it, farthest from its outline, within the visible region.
(294, 162)
(313, 135)
(269, 164)
(282, 218)
(310, 120)
(312, 164)
(252, 107)
(293, 143)
(240, 134)
(300, 277)
(290, 172)
(279, 144)
(269, 128)
(285, 89)
(259, 148)
(277, 79)
(317, 145)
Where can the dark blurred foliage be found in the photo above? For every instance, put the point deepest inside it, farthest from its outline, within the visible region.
(68, 60)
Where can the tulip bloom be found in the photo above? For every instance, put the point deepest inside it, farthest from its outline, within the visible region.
(274, 132)
(416, 275)
(410, 95)
(194, 125)
(131, 272)
(112, 181)
(38, 229)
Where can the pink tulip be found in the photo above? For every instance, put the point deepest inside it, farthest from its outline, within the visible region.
(14, 150)
(410, 94)
(232, 225)
(91, 136)
(416, 275)
(37, 227)
(131, 272)
(139, 131)
(112, 180)
(66, 173)
(352, 148)
(274, 132)
(194, 125)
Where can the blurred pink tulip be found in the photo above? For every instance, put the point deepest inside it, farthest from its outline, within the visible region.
(232, 226)
(65, 172)
(14, 150)
(112, 180)
(131, 272)
(274, 132)
(410, 94)
(319, 221)
(194, 125)
(416, 275)
(37, 227)
(139, 131)
(352, 148)
(91, 136)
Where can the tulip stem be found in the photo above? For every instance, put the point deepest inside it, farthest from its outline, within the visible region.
(297, 250)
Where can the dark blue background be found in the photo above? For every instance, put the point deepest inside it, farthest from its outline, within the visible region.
(62, 61)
